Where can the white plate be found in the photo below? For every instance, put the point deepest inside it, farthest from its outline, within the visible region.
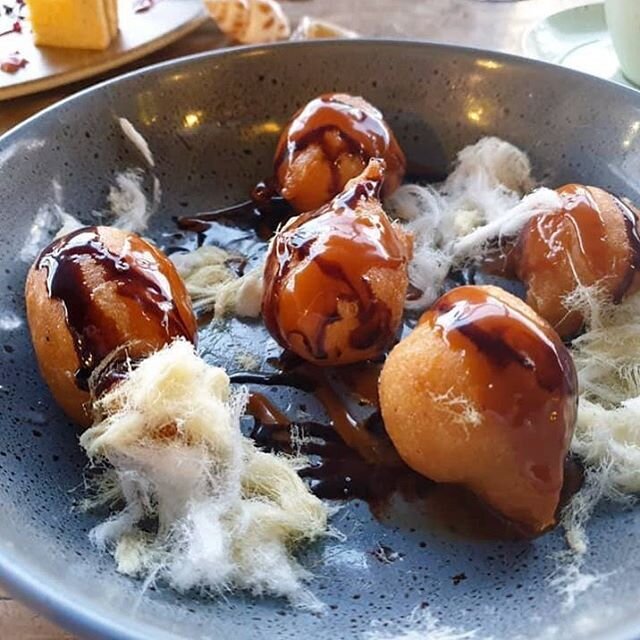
(576, 38)
(140, 34)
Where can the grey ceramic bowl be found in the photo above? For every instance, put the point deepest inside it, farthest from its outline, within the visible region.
(438, 99)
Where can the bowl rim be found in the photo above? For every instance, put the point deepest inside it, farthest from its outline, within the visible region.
(43, 597)
(250, 50)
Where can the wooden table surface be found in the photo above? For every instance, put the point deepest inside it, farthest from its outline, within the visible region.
(491, 25)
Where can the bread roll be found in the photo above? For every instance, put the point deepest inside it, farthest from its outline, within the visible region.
(592, 240)
(327, 143)
(336, 278)
(483, 393)
(101, 293)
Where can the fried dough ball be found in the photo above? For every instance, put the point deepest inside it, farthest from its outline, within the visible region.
(483, 393)
(327, 143)
(97, 292)
(592, 240)
(336, 278)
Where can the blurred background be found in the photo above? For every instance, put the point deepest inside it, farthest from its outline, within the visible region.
(565, 32)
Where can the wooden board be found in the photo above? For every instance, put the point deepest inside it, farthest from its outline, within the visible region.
(18, 622)
(140, 34)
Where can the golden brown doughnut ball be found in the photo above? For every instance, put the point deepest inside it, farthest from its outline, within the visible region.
(483, 393)
(336, 278)
(327, 143)
(92, 292)
(592, 240)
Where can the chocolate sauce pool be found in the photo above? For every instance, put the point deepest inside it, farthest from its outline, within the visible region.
(263, 213)
(351, 457)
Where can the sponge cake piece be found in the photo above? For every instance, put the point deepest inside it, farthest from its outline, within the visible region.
(77, 24)
(112, 17)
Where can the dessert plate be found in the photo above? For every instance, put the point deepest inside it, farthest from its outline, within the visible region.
(427, 568)
(140, 34)
(576, 38)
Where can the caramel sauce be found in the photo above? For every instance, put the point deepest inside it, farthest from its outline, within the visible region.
(362, 381)
(580, 236)
(318, 271)
(137, 272)
(362, 125)
(348, 131)
(540, 390)
(587, 220)
(371, 445)
(264, 411)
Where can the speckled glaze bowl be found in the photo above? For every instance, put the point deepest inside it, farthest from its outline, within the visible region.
(212, 122)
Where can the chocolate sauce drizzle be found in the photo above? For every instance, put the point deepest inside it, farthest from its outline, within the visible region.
(535, 406)
(71, 263)
(264, 212)
(353, 458)
(333, 249)
(340, 126)
(298, 381)
(487, 326)
(633, 235)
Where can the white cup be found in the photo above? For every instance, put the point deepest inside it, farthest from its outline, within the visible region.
(623, 20)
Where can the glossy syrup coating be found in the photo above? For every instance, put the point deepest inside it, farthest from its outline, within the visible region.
(327, 143)
(483, 393)
(592, 240)
(92, 293)
(336, 278)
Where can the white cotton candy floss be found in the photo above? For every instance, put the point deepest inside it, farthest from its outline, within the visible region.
(481, 201)
(607, 437)
(213, 286)
(228, 515)
(505, 225)
(130, 209)
(51, 221)
(138, 141)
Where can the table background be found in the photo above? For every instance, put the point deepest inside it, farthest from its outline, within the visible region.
(491, 25)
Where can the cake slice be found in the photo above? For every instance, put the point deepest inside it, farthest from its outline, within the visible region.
(77, 24)
(112, 17)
